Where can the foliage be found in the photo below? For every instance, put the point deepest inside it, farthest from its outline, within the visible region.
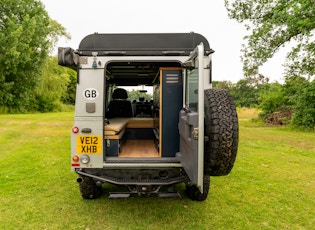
(304, 115)
(272, 25)
(57, 84)
(26, 35)
(292, 89)
(68, 96)
(271, 99)
(244, 94)
(295, 97)
(288, 103)
(246, 91)
(222, 84)
(136, 94)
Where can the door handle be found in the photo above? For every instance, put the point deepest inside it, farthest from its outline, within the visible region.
(86, 130)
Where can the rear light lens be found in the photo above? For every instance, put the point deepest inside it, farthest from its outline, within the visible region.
(75, 158)
(85, 159)
(75, 129)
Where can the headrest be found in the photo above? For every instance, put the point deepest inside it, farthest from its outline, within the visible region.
(120, 93)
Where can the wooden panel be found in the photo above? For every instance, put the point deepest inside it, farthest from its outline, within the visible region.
(111, 137)
(139, 148)
(140, 123)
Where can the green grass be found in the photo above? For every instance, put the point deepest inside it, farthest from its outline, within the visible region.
(272, 185)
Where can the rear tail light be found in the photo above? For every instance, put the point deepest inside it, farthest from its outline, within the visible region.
(75, 158)
(75, 129)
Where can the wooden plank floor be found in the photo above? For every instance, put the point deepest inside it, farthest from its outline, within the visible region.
(139, 148)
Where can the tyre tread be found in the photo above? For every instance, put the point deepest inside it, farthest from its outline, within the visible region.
(221, 127)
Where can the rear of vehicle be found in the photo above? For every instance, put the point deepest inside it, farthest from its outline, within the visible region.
(148, 146)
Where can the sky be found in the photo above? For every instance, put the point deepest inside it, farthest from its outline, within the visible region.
(206, 17)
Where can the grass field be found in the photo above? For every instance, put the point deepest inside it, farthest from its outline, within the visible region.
(272, 185)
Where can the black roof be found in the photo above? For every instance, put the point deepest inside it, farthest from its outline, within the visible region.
(142, 44)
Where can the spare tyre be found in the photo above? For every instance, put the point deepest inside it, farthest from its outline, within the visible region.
(221, 128)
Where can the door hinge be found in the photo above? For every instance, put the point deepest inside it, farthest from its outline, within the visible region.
(195, 133)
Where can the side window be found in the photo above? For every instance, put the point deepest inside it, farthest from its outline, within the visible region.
(191, 99)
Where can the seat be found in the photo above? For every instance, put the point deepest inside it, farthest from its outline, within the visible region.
(120, 106)
(144, 108)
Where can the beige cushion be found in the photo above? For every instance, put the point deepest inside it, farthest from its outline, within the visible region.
(110, 133)
(115, 126)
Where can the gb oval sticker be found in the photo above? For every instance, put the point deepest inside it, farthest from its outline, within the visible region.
(90, 93)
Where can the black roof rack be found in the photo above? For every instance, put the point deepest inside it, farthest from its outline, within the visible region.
(177, 44)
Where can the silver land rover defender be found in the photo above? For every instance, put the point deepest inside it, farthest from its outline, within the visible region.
(187, 131)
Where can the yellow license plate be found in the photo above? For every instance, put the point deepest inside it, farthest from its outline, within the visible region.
(89, 144)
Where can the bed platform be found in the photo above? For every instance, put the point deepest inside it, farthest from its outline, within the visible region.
(134, 133)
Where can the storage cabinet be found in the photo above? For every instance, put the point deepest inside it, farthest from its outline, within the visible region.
(168, 98)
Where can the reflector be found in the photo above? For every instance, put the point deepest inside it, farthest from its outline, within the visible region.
(85, 159)
(75, 129)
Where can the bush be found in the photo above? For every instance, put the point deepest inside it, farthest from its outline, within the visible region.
(46, 104)
(281, 116)
(304, 115)
(292, 102)
(271, 100)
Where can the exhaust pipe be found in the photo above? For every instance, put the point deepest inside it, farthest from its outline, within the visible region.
(79, 180)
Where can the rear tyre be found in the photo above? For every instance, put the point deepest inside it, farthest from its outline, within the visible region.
(89, 189)
(193, 192)
(221, 127)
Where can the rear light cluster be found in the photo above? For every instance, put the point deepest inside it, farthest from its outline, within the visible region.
(75, 158)
(83, 159)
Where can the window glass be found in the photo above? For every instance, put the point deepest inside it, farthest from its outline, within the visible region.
(192, 89)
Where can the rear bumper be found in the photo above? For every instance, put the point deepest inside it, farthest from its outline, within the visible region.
(137, 176)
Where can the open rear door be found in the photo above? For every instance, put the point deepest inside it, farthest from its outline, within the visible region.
(191, 118)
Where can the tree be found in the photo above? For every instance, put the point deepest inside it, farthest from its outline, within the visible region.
(305, 108)
(293, 101)
(292, 89)
(246, 91)
(273, 24)
(222, 85)
(271, 100)
(26, 35)
(244, 94)
(57, 85)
